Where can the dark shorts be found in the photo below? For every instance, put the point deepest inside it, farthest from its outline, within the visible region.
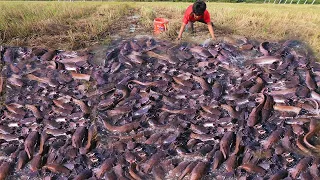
(201, 20)
(189, 26)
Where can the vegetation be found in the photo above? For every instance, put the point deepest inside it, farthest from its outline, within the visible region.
(58, 24)
(226, 1)
(76, 25)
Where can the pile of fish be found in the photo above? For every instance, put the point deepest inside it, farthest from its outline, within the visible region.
(152, 109)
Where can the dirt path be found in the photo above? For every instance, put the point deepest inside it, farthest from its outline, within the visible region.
(134, 26)
(131, 26)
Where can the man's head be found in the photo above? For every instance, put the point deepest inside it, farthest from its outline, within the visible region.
(199, 7)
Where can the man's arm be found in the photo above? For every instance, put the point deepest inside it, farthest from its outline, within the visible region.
(211, 30)
(183, 25)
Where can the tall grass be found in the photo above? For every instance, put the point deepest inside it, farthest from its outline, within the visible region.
(74, 25)
(57, 24)
(221, 1)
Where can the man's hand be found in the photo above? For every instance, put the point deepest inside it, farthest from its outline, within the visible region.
(211, 31)
(181, 31)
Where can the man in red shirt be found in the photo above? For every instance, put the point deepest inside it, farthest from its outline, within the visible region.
(196, 12)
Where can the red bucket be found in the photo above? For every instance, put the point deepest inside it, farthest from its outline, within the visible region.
(160, 25)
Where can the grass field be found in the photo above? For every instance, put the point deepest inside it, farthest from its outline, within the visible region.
(77, 25)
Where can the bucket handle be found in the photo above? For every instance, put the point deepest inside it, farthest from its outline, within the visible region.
(165, 27)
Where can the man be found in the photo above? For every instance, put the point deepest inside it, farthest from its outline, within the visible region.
(196, 12)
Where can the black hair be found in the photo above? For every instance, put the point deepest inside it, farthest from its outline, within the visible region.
(199, 7)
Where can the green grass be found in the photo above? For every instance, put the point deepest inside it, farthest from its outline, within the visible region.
(75, 25)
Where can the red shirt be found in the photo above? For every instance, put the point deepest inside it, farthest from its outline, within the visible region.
(189, 17)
